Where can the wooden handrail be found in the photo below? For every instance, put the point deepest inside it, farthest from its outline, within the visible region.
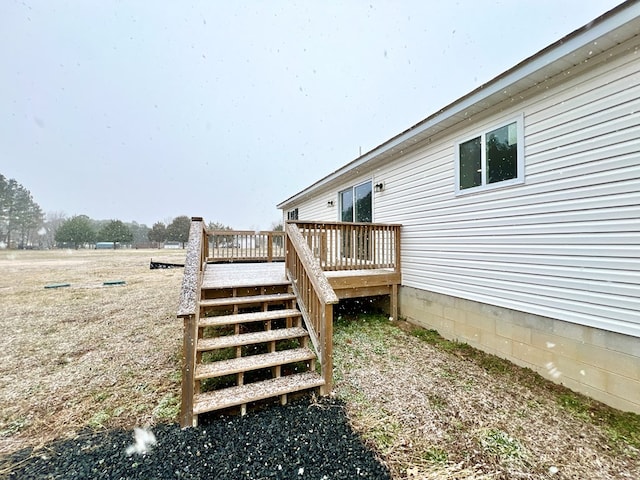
(318, 279)
(245, 245)
(315, 298)
(243, 232)
(311, 222)
(353, 246)
(193, 267)
(197, 253)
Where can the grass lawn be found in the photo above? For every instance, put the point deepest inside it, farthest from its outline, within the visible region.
(439, 409)
(87, 354)
(92, 355)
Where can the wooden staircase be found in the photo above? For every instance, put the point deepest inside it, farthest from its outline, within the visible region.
(251, 345)
(247, 331)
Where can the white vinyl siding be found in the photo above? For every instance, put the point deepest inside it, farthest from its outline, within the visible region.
(566, 243)
(318, 209)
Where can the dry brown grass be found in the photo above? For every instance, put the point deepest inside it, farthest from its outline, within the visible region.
(462, 414)
(86, 355)
(106, 357)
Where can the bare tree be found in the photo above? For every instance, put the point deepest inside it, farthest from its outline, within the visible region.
(52, 222)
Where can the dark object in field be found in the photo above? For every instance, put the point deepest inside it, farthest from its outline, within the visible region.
(157, 265)
(57, 285)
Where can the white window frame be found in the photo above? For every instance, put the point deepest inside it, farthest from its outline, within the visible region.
(352, 188)
(519, 179)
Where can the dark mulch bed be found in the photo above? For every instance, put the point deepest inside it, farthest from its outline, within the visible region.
(302, 440)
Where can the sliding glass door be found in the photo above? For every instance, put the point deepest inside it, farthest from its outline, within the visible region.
(356, 206)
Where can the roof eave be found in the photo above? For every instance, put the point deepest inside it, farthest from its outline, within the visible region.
(535, 64)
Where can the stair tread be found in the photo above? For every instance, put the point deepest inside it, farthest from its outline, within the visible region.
(221, 320)
(233, 396)
(253, 362)
(219, 302)
(250, 338)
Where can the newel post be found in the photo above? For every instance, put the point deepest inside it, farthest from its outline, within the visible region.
(327, 346)
(188, 310)
(187, 419)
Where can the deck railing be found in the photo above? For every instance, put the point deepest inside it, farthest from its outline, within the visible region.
(308, 249)
(197, 253)
(245, 246)
(315, 298)
(353, 246)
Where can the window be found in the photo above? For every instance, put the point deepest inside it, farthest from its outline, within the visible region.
(292, 214)
(356, 205)
(491, 159)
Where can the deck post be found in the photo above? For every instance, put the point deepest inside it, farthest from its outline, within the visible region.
(269, 247)
(394, 302)
(397, 248)
(187, 418)
(327, 355)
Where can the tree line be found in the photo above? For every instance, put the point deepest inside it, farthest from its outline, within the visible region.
(80, 230)
(20, 216)
(23, 225)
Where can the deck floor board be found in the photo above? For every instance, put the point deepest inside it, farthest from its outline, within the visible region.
(230, 275)
(238, 275)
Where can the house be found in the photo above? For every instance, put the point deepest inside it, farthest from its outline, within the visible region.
(520, 211)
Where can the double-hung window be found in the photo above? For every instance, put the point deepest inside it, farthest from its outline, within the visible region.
(491, 158)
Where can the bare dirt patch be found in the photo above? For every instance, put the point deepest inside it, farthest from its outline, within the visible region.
(87, 354)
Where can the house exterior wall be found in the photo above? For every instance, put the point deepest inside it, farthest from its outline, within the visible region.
(561, 251)
(316, 209)
(603, 365)
(565, 244)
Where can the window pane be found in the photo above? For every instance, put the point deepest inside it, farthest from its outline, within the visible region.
(346, 206)
(470, 164)
(502, 153)
(363, 203)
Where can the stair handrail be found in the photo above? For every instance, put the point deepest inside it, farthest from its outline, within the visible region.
(315, 298)
(196, 258)
(193, 267)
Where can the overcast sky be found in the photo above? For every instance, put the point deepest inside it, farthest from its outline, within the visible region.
(146, 110)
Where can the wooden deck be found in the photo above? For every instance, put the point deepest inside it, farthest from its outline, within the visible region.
(346, 283)
(239, 275)
(247, 305)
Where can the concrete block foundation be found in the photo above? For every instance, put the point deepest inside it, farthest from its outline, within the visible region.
(601, 364)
